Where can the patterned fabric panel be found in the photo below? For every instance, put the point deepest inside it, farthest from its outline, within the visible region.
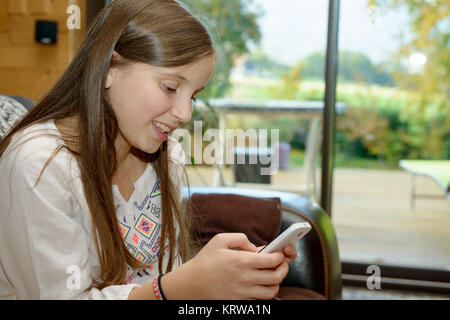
(140, 225)
(11, 112)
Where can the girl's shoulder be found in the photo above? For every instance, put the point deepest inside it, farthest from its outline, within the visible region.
(35, 139)
(33, 146)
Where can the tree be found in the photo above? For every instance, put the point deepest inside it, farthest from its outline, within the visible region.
(265, 66)
(233, 25)
(429, 34)
(353, 66)
(314, 66)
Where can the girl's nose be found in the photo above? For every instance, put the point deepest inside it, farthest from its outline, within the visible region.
(183, 110)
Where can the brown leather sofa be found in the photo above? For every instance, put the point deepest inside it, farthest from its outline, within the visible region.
(317, 268)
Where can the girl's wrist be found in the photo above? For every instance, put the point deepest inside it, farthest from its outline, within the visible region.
(176, 284)
(150, 291)
(157, 288)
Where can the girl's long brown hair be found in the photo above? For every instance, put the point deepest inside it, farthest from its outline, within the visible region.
(158, 32)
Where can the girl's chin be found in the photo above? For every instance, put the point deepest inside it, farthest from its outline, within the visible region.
(151, 148)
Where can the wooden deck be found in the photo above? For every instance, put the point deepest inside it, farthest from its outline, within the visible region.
(372, 216)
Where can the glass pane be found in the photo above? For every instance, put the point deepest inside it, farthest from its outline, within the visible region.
(277, 70)
(393, 74)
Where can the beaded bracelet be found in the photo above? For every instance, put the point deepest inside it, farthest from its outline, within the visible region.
(157, 288)
(160, 287)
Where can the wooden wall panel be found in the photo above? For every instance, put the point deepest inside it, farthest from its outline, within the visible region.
(17, 7)
(27, 88)
(28, 68)
(41, 7)
(4, 39)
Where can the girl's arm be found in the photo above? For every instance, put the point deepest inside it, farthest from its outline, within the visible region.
(46, 245)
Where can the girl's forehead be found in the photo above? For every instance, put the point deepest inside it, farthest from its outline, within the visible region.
(184, 72)
(198, 65)
(195, 74)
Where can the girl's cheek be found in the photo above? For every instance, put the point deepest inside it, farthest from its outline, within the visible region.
(159, 104)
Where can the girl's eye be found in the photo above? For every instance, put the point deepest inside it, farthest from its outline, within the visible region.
(169, 89)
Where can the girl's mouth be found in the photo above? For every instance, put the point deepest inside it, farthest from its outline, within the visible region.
(162, 131)
(162, 127)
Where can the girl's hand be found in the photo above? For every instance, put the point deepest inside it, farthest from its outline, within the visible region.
(218, 272)
(290, 253)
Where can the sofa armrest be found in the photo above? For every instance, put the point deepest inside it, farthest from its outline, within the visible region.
(317, 266)
(26, 102)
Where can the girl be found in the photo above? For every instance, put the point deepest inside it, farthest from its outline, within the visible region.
(90, 191)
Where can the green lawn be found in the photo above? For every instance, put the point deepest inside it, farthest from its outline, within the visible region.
(296, 160)
(358, 95)
(390, 102)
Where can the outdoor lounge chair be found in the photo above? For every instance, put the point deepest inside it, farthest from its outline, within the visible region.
(438, 170)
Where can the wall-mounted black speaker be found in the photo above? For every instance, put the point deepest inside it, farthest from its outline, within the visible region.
(46, 32)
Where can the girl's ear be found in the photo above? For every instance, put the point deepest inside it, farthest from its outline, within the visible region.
(111, 71)
(109, 78)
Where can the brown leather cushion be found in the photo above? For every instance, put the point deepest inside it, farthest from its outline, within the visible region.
(295, 293)
(258, 218)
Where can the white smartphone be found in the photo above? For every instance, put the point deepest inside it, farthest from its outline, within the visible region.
(289, 237)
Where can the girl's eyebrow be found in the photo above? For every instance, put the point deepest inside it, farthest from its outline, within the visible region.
(174, 75)
(180, 77)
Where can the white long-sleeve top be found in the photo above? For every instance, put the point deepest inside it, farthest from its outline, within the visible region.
(47, 250)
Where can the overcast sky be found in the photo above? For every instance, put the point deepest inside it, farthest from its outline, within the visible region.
(293, 29)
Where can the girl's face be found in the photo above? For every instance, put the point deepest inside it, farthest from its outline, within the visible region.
(150, 102)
